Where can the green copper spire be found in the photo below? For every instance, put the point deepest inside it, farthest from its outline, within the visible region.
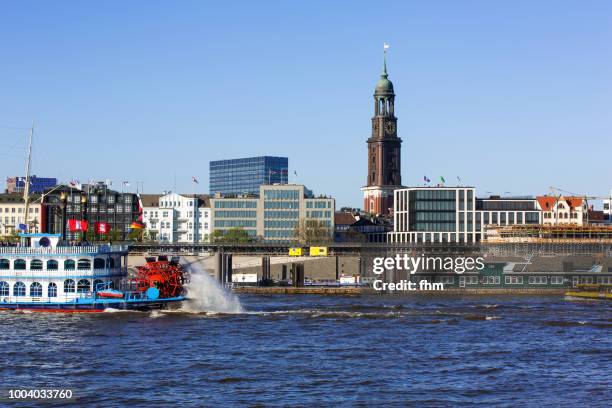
(384, 86)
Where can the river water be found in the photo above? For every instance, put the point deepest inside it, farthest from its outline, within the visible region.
(322, 350)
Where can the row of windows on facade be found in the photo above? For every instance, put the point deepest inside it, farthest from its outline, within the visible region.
(14, 220)
(549, 215)
(93, 208)
(19, 210)
(166, 214)
(164, 224)
(318, 214)
(235, 224)
(246, 176)
(36, 288)
(281, 194)
(189, 203)
(53, 265)
(235, 214)
(236, 203)
(109, 199)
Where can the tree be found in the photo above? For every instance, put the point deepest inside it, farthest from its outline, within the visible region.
(231, 236)
(136, 234)
(92, 236)
(313, 232)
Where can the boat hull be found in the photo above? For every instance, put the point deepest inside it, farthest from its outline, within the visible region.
(99, 305)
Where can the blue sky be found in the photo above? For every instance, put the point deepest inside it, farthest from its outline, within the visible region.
(510, 96)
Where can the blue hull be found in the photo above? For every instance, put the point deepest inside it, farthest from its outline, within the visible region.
(92, 306)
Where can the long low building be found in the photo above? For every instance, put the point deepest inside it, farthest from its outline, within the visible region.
(454, 214)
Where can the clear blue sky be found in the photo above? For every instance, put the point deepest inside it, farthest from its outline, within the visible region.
(511, 96)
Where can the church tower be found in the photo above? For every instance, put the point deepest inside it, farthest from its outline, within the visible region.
(384, 150)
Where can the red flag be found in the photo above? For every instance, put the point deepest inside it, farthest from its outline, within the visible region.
(77, 225)
(102, 228)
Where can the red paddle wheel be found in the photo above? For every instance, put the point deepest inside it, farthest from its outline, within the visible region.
(167, 276)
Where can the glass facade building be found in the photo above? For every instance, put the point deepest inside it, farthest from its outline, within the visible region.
(37, 184)
(454, 214)
(244, 176)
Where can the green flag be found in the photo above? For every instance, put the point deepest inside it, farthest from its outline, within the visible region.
(442, 178)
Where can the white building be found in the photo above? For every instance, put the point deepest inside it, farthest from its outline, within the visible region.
(12, 213)
(563, 210)
(177, 218)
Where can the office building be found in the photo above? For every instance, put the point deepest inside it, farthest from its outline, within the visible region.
(274, 214)
(246, 175)
(37, 184)
(454, 214)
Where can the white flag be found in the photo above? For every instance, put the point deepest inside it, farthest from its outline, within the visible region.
(386, 46)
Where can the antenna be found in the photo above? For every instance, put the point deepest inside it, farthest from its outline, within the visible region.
(26, 189)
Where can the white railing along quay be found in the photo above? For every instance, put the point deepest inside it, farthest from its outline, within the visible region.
(88, 249)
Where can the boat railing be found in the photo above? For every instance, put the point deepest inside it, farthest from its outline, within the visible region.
(101, 249)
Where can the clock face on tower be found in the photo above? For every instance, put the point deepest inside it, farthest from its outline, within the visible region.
(390, 128)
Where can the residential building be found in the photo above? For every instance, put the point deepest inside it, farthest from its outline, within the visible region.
(177, 218)
(92, 203)
(563, 210)
(37, 184)
(274, 214)
(384, 151)
(245, 175)
(454, 214)
(12, 213)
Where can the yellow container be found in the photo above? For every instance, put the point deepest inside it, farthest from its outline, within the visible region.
(318, 251)
(295, 251)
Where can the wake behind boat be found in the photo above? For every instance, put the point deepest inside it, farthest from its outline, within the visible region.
(42, 275)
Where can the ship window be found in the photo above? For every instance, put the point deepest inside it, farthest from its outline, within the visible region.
(98, 263)
(5, 264)
(83, 286)
(98, 285)
(111, 262)
(52, 290)
(52, 265)
(68, 286)
(19, 289)
(35, 289)
(36, 265)
(84, 264)
(19, 264)
(4, 289)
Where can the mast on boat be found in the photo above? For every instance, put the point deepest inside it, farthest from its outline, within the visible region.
(26, 189)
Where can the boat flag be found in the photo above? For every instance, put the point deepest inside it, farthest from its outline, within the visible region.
(23, 227)
(77, 225)
(195, 180)
(102, 228)
(426, 179)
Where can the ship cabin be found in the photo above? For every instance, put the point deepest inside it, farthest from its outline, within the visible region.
(43, 269)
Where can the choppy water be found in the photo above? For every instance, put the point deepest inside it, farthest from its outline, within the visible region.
(314, 350)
